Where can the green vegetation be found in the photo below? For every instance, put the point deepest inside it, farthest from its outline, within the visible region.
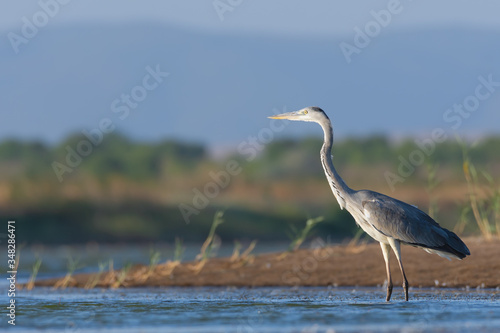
(121, 276)
(484, 196)
(97, 277)
(72, 266)
(179, 250)
(210, 245)
(127, 191)
(242, 257)
(299, 236)
(154, 259)
(432, 183)
(34, 273)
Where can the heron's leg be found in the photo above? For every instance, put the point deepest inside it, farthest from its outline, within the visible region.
(396, 247)
(386, 251)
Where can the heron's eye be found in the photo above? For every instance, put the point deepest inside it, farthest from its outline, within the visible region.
(305, 112)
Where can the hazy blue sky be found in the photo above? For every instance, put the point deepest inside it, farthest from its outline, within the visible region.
(235, 67)
(289, 17)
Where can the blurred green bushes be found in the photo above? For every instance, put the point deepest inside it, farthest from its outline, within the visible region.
(117, 155)
(130, 191)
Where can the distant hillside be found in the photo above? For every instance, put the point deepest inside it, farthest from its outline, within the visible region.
(221, 87)
(281, 159)
(126, 190)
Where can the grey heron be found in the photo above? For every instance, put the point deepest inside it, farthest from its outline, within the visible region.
(389, 221)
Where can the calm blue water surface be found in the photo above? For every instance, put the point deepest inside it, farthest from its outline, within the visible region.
(304, 309)
(280, 309)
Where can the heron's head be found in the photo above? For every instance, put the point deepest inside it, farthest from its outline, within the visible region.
(311, 113)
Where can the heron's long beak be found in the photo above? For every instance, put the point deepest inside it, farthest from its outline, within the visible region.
(294, 115)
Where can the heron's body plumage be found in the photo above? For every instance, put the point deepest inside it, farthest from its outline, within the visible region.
(393, 218)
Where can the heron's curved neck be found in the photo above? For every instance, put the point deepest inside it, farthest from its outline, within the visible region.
(340, 190)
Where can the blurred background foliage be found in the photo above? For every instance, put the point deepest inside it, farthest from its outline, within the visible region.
(131, 191)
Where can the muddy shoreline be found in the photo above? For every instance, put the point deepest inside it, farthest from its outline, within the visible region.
(340, 265)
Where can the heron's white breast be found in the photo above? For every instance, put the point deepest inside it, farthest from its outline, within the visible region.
(362, 218)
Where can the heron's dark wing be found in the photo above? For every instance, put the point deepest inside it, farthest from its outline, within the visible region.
(410, 225)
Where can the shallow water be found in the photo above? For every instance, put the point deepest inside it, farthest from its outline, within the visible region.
(304, 309)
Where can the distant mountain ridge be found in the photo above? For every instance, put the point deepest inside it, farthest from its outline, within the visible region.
(220, 88)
